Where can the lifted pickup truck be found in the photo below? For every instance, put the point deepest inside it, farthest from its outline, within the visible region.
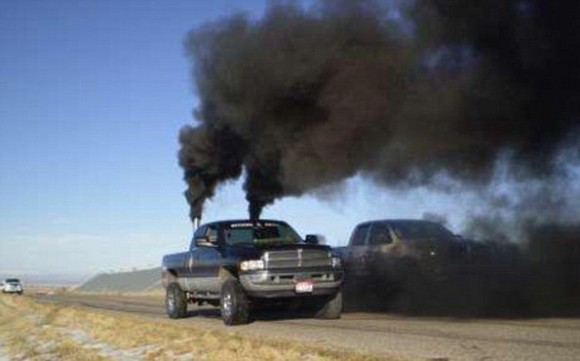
(239, 265)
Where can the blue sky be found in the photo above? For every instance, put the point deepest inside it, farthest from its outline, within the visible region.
(92, 96)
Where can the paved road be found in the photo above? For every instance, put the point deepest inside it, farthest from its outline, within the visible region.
(416, 338)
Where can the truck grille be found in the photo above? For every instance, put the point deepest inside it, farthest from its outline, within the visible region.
(298, 258)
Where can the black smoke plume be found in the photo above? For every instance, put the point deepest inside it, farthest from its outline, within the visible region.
(403, 94)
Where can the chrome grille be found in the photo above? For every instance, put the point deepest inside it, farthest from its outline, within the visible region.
(300, 258)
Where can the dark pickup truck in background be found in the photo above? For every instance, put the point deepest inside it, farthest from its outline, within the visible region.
(388, 258)
(239, 265)
(383, 246)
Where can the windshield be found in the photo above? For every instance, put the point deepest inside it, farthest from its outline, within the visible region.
(260, 233)
(420, 230)
(12, 280)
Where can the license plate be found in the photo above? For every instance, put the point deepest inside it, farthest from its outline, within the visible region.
(304, 287)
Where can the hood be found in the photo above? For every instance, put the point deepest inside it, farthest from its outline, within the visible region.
(244, 251)
(289, 247)
(435, 248)
(255, 251)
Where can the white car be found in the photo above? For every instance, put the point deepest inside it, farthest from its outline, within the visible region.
(12, 285)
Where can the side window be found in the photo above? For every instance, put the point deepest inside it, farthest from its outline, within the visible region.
(212, 234)
(200, 232)
(379, 235)
(359, 235)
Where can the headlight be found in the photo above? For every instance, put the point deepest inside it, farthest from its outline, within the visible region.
(336, 262)
(252, 265)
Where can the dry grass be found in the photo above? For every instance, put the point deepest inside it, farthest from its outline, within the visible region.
(145, 338)
(29, 335)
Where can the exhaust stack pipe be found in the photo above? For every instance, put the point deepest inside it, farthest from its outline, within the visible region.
(196, 222)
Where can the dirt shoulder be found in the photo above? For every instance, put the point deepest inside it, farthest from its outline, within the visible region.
(48, 331)
(419, 338)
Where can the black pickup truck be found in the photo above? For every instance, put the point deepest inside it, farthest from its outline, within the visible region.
(239, 265)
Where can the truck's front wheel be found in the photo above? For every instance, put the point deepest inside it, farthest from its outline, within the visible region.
(331, 307)
(234, 304)
(175, 301)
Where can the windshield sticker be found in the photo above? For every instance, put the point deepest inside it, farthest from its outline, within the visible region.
(241, 225)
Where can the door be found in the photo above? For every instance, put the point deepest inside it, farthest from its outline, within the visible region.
(380, 250)
(356, 253)
(205, 263)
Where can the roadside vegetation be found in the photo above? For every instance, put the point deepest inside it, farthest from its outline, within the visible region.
(30, 330)
(27, 332)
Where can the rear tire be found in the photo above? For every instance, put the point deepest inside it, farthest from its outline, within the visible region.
(234, 304)
(331, 308)
(175, 301)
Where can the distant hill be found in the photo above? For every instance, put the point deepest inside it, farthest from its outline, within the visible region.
(46, 279)
(134, 281)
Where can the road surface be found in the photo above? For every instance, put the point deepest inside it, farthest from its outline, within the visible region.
(416, 338)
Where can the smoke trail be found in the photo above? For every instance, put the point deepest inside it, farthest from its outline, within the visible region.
(302, 98)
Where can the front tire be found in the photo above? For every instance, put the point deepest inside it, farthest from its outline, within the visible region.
(175, 301)
(331, 308)
(234, 304)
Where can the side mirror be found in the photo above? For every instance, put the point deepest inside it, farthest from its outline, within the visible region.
(314, 239)
(203, 242)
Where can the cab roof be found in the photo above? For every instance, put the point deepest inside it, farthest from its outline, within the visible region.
(397, 221)
(241, 221)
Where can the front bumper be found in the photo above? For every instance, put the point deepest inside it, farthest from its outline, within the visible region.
(12, 290)
(282, 283)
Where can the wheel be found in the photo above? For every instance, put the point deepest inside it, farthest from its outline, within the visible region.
(234, 304)
(331, 308)
(175, 301)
